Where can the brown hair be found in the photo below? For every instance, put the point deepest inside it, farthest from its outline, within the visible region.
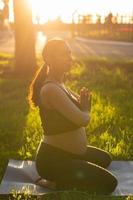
(36, 84)
(50, 49)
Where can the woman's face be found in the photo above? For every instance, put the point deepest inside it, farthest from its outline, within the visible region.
(65, 58)
(62, 58)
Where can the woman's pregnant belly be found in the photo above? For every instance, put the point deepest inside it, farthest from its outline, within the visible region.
(72, 141)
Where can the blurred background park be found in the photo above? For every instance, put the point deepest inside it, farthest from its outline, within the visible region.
(100, 34)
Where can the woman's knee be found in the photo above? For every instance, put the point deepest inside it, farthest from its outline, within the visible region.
(106, 181)
(98, 156)
(111, 184)
(82, 174)
(106, 159)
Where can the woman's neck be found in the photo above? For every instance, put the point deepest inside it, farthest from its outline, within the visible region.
(55, 79)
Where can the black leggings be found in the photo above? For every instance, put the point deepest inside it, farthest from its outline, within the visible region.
(68, 170)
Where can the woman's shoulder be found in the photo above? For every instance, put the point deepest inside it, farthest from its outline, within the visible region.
(50, 92)
(45, 94)
(51, 89)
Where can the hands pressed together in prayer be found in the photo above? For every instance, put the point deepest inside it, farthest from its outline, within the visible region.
(85, 99)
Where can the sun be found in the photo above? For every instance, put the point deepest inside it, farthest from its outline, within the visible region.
(45, 10)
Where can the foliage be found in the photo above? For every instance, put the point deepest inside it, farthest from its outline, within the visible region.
(110, 82)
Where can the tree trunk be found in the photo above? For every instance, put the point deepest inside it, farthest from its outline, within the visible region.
(25, 61)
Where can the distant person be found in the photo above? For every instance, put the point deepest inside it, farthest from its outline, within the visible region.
(63, 156)
(109, 19)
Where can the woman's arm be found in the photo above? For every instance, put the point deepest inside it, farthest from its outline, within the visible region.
(75, 94)
(58, 100)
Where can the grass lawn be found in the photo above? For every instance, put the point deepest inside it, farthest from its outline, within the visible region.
(111, 126)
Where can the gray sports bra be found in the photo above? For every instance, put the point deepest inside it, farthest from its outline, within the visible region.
(53, 122)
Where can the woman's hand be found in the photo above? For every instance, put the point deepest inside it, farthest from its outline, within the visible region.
(85, 99)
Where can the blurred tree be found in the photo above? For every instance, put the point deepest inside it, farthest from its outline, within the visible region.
(38, 18)
(25, 61)
(109, 23)
(1, 19)
(98, 20)
(87, 19)
(5, 11)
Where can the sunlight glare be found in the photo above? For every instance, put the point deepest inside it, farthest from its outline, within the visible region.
(45, 11)
(1, 5)
(50, 10)
(41, 40)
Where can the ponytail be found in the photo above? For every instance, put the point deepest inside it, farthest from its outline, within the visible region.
(35, 86)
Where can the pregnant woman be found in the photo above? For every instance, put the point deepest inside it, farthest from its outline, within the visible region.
(63, 157)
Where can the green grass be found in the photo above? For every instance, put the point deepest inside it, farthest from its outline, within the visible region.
(6, 60)
(110, 82)
(111, 126)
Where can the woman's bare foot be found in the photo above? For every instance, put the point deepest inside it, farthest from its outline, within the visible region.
(45, 183)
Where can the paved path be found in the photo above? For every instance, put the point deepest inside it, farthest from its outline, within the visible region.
(80, 46)
(102, 48)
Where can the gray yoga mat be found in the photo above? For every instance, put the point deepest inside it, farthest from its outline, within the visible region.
(21, 176)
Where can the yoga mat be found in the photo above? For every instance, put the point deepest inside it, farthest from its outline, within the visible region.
(21, 176)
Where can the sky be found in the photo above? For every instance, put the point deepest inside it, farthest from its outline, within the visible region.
(51, 9)
(65, 8)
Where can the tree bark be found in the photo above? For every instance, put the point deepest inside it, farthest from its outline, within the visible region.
(25, 61)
